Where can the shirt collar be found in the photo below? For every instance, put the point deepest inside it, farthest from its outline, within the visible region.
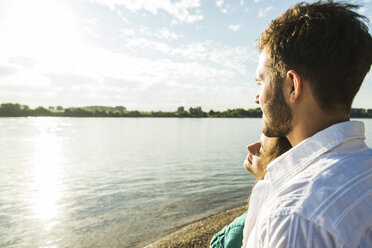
(302, 155)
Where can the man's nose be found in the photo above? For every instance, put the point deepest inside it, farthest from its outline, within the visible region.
(254, 148)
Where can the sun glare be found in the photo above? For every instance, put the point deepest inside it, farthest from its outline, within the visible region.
(46, 165)
(42, 29)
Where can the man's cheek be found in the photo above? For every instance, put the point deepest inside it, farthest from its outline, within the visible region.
(261, 101)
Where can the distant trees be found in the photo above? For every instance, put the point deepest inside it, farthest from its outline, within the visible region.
(197, 112)
(236, 113)
(11, 110)
(359, 113)
(40, 111)
(78, 112)
(181, 112)
(18, 110)
(120, 109)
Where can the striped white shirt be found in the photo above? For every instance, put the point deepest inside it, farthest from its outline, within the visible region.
(318, 194)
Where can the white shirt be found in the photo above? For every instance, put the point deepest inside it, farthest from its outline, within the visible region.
(318, 194)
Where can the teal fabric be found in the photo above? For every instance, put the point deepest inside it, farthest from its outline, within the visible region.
(230, 236)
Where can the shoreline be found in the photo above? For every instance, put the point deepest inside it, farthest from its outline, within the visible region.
(200, 232)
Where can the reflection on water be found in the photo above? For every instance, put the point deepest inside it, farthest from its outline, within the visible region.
(31, 185)
(46, 170)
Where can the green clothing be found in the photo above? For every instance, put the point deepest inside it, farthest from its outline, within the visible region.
(230, 236)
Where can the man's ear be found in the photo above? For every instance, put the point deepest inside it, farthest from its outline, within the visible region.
(294, 86)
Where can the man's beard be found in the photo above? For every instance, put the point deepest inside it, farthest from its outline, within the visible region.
(278, 116)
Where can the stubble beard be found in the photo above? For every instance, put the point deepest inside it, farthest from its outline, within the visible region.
(277, 115)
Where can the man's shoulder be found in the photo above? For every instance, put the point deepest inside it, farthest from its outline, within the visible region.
(330, 183)
(334, 193)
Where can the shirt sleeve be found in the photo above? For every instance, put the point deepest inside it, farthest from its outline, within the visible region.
(292, 230)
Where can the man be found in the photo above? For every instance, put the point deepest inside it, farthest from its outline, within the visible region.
(313, 59)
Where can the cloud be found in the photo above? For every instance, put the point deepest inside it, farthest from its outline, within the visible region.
(227, 9)
(20, 79)
(262, 12)
(224, 9)
(89, 26)
(234, 27)
(91, 31)
(127, 32)
(91, 74)
(6, 70)
(25, 62)
(232, 58)
(94, 75)
(86, 87)
(165, 33)
(91, 21)
(139, 30)
(121, 83)
(187, 11)
(219, 3)
(69, 79)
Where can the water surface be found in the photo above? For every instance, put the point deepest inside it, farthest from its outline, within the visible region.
(116, 182)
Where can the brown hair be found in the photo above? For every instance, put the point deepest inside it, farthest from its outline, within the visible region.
(274, 147)
(327, 43)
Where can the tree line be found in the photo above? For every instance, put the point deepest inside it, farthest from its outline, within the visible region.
(19, 110)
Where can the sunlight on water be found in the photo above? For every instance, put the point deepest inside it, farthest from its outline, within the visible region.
(123, 182)
(46, 164)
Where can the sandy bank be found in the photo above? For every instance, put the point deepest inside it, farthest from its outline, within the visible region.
(199, 233)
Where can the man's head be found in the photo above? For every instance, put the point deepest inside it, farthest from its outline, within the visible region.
(325, 43)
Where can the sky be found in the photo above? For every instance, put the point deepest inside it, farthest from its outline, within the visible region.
(141, 54)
